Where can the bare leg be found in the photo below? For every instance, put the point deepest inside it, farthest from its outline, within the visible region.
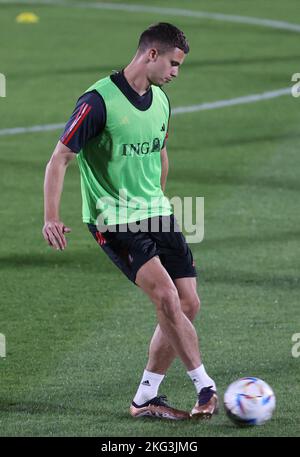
(174, 324)
(161, 353)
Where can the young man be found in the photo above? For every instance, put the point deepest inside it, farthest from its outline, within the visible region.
(118, 131)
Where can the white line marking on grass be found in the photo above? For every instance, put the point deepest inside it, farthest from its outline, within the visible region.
(231, 102)
(180, 110)
(35, 128)
(283, 25)
(170, 11)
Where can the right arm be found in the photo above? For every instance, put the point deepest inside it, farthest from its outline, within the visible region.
(87, 121)
(54, 229)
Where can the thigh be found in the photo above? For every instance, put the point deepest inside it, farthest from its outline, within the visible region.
(187, 288)
(153, 278)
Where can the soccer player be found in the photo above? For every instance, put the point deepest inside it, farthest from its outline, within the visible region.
(118, 133)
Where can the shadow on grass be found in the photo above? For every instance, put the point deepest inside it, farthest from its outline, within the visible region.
(93, 69)
(109, 68)
(250, 278)
(245, 241)
(209, 177)
(40, 407)
(241, 61)
(73, 260)
(259, 139)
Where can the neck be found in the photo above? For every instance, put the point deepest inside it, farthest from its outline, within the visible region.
(136, 77)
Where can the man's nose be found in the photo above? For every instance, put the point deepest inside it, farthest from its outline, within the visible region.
(174, 72)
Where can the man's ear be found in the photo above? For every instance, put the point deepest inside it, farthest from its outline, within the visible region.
(153, 54)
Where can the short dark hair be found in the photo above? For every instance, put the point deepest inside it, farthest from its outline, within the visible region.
(164, 36)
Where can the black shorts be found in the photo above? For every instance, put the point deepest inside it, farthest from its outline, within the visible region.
(129, 250)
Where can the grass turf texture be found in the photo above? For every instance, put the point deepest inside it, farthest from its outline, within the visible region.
(77, 331)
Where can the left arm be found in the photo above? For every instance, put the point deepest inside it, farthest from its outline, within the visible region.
(164, 167)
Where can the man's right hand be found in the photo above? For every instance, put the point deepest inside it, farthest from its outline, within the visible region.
(53, 233)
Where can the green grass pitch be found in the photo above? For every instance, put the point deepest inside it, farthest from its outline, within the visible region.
(77, 331)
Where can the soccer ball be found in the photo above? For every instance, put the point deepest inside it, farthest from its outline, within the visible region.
(249, 401)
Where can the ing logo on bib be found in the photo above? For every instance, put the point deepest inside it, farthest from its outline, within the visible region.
(141, 148)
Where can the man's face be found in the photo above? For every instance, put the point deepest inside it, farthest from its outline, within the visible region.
(164, 67)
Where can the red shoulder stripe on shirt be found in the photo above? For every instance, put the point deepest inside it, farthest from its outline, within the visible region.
(81, 115)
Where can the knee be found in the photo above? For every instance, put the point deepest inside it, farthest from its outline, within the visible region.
(191, 306)
(167, 302)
